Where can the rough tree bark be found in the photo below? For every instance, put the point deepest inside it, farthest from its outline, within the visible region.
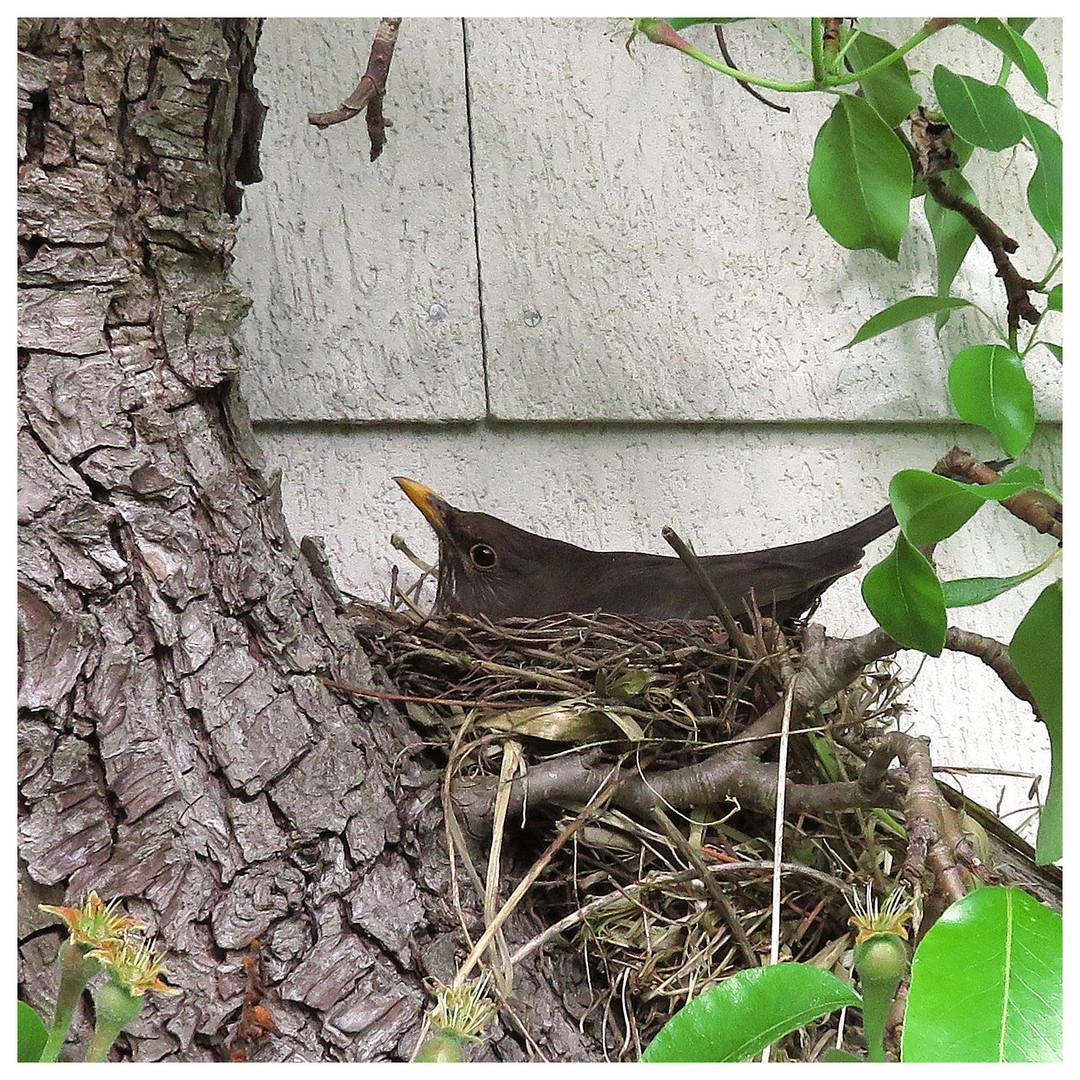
(176, 744)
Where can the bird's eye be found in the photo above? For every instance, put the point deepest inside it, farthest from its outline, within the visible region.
(483, 557)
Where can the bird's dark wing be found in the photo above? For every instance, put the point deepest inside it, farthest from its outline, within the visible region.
(784, 581)
(659, 587)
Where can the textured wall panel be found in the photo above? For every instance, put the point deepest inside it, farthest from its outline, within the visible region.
(344, 258)
(655, 217)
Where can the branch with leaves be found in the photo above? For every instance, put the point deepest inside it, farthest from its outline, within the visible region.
(865, 174)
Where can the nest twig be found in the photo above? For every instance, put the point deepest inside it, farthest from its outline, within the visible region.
(675, 679)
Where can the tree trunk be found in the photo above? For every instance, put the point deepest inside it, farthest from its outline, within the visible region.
(176, 744)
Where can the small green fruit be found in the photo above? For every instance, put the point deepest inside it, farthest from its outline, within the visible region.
(881, 959)
(441, 1047)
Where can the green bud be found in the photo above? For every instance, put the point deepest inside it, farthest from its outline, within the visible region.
(882, 960)
(118, 1004)
(441, 1047)
(115, 1007)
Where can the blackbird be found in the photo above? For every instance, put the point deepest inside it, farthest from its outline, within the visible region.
(490, 567)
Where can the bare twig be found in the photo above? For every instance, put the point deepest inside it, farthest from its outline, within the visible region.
(369, 91)
(745, 85)
(778, 821)
(1000, 247)
(995, 656)
(716, 601)
(1040, 511)
(932, 155)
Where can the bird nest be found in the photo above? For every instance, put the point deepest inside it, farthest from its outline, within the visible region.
(661, 907)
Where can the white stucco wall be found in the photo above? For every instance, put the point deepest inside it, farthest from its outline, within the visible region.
(684, 369)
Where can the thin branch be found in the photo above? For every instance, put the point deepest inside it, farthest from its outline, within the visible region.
(995, 656)
(933, 154)
(716, 601)
(369, 91)
(836, 661)
(1041, 511)
(1000, 247)
(745, 85)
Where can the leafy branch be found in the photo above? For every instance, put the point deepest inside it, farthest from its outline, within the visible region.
(865, 172)
(826, 77)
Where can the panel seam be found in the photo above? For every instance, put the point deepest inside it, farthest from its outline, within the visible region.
(476, 219)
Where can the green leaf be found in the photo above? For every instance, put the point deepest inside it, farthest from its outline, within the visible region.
(966, 592)
(1036, 650)
(860, 179)
(1055, 349)
(826, 755)
(982, 114)
(952, 235)
(741, 1015)
(930, 507)
(1044, 188)
(904, 595)
(989, 387)
(1020, 25)
(1017, 479)
(631, 683)
(1005, 38)
(986, 983)
(32, 1033)
(888, 90)
(905, 311)
(1053, 299)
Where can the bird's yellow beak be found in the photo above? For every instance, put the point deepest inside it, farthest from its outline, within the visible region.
(429, 504)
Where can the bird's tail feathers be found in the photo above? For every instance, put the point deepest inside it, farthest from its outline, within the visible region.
(869, 529)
